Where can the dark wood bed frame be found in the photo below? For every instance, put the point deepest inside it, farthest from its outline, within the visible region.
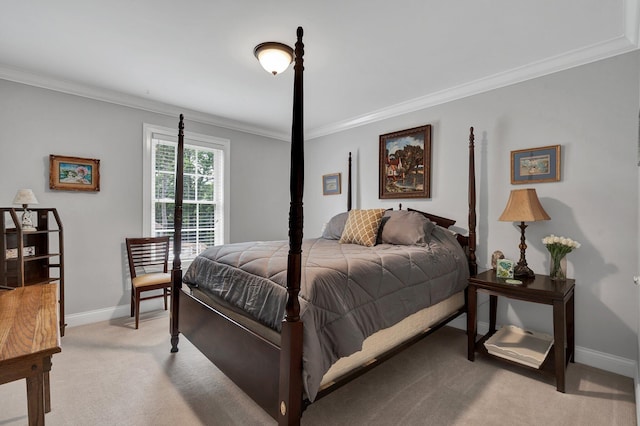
(269, 374)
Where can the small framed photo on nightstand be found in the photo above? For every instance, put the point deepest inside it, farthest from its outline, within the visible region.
(504, 268)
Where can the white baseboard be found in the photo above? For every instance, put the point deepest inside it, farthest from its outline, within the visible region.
(636, 383)
(106, 314)
(603, 361)
(461, 323)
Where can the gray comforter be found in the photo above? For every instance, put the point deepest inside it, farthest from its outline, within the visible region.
(348, 292)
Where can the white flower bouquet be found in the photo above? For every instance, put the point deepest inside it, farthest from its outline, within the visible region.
(558, 248)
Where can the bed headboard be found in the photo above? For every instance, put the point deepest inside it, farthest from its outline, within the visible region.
(467, 242)
(438, 220)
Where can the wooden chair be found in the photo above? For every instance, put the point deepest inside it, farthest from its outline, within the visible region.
(148, 265)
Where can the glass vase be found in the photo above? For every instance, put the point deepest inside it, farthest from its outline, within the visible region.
(558, 270)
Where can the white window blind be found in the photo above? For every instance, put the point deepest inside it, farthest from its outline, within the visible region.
(204, 205)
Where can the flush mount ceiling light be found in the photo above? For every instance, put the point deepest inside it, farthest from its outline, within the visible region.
(273, 56)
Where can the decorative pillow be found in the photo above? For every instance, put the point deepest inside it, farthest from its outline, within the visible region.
(333, 229)
(362, 227)
(406, 228)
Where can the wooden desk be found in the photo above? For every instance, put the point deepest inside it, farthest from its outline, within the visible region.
(29, 336)
(539, 289)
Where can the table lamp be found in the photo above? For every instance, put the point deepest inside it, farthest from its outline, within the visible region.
(523, 206)
(26, 197)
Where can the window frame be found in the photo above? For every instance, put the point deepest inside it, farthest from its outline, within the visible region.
(193, 139)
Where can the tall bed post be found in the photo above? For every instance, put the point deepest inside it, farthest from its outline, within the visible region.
(290, 383)
(176, 271)
(349, 186)
(288, 357)
(473, 266)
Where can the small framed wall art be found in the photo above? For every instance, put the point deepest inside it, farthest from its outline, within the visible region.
(331, 184)
(74, 173)
(535, 165)
(405, 163)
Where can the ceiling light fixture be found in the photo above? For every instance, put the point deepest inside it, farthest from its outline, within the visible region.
(273, 56)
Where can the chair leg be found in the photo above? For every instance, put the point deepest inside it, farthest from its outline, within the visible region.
(133, 293)
(137, 307)
(165, 298)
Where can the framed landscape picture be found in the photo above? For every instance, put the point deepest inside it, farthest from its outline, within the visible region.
(535, 165)
(405, 163)
(74, 173)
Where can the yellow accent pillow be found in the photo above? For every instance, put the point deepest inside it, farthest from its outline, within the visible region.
(362, 227)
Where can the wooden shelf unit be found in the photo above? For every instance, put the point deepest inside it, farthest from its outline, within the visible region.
(32, 257)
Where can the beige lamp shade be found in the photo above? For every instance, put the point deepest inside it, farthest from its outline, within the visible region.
(273, 56)
(523, 206)
(25, 196)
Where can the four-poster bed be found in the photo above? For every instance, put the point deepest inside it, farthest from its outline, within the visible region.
(264, 356)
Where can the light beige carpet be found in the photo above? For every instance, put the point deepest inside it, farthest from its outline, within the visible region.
(110, 374)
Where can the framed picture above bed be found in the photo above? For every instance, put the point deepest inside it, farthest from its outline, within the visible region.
(331, 184)
(405, 163)
(534, 165)
(74, 173)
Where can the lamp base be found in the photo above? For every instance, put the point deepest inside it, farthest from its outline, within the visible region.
(522, 270)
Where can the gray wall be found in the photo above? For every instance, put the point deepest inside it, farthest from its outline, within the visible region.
(36, 122)
(592, 111)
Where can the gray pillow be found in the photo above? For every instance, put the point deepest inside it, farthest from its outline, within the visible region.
(333, 230)
(406, 228)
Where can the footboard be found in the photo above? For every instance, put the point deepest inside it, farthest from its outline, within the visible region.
(249, 360)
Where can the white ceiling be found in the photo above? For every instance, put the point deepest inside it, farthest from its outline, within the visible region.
(364, 59)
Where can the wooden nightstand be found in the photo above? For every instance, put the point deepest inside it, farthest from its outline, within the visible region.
(539, 289)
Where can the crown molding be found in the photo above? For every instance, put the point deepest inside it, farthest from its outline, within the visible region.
(118, 98)
(593, 53)
(625, 43)
(632, 21)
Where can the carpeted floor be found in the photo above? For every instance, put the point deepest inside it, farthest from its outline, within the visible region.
(110, 374)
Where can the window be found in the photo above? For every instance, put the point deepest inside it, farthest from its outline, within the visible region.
(206, 182)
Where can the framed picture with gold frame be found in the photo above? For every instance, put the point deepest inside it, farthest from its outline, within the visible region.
(535, 165)
(331, 184)
(74, 173)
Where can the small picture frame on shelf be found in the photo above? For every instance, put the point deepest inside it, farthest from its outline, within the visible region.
(504, 268)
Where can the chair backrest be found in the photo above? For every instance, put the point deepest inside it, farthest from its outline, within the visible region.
(147, 255)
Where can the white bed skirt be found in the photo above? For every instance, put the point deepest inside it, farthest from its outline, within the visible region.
(388, 338)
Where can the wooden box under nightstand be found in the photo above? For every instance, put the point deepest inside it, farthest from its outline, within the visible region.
(539, 289)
